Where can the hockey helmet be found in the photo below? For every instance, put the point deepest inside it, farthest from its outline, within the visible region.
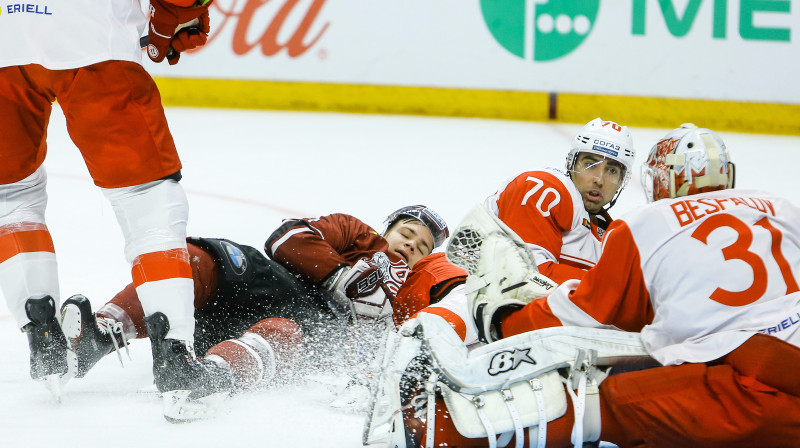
(432, 221)
(606, 139)
(688, 160)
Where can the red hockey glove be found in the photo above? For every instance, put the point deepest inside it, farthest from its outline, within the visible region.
(174, 29)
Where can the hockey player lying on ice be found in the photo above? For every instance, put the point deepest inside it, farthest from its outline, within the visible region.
(323, 274)
(709, 277)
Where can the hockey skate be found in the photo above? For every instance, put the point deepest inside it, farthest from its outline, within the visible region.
(47, 343)
(191, 388)
(89, 337)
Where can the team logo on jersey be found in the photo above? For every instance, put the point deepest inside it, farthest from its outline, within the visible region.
(236, 257)
(394, 273)
(509, 360)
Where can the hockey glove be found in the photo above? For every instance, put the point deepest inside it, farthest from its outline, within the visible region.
(364, 289)
(505, 278)
(174, 29)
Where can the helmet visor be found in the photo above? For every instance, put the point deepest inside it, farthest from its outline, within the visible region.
(605, 168)
(432, 221)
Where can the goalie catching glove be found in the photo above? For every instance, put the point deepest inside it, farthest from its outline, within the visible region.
(176, 26)
(362, 289)
(501, 272)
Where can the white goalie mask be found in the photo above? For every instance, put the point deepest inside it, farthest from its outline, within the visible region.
(688, 160)
(606, 139)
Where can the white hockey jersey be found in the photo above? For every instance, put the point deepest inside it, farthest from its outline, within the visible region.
(697, 275)
(61, 34)
(546, 210)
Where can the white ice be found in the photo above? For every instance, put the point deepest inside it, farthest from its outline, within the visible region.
(244, 171)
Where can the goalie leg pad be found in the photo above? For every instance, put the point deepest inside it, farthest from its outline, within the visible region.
(521, 405)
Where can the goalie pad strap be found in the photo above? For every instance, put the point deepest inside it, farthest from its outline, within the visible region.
(479, 403)
(508, 397)
(541, 435)
(430, 426)
(586, 404)
(579, 405)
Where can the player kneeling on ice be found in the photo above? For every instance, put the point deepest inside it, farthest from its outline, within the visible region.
(706, 276)
(561, 215)
(257, 318)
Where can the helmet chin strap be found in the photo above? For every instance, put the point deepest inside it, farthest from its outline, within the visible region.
(613, 200)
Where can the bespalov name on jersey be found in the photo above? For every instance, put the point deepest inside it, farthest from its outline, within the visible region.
(28, 8)
(605, 147)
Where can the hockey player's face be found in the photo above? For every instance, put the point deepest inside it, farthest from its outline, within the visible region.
(597, 179)
(411, 240)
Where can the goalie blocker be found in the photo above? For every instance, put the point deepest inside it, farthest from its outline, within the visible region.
(512, 388)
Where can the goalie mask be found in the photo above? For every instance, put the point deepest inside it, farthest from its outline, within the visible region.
(432, 221)
(606, 139)
(688, 160)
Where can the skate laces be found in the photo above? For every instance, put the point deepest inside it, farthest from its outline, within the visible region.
(111, 327)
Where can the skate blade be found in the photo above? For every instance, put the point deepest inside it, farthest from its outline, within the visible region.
(179, 408)
(53, 384)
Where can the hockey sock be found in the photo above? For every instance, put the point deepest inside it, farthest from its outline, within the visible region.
(265, 352)
(126, 309)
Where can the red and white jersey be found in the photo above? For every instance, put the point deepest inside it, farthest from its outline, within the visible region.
(314, 248)
(70, 34)
(697, 275)
(436, 286)
(546, 210)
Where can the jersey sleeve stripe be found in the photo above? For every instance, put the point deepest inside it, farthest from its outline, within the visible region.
(274, 247)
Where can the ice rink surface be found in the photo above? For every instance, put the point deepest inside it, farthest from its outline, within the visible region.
(243, 172)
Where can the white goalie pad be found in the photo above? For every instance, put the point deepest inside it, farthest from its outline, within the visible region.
(384, 423)
(501, 270)
(495, 410)
(508, 385)
(523, 356)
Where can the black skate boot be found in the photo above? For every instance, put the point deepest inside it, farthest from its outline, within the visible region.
(88, 337)
(45, 338)
(191, 388)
